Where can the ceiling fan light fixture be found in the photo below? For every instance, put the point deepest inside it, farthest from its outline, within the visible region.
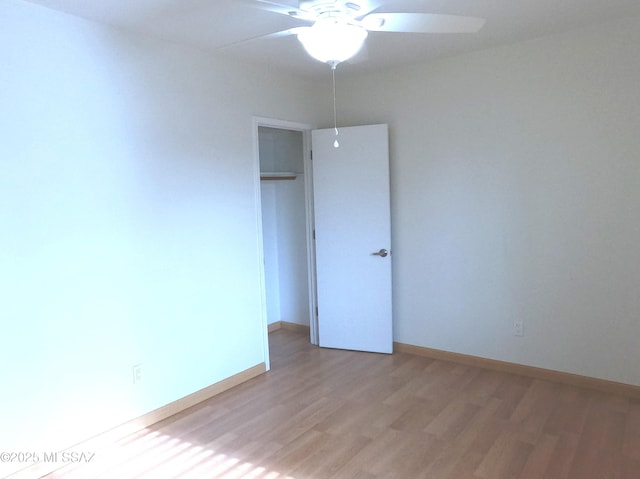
(332, 41)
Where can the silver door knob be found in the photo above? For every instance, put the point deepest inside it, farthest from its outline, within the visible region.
(383, 253)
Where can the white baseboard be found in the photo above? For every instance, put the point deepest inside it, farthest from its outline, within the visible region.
(300, 328)
(603, 385)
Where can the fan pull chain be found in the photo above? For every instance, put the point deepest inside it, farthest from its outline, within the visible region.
(336, 144)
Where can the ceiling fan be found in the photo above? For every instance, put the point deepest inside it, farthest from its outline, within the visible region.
(337, 29)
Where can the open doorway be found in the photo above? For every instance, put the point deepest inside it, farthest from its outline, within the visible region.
(283, 155)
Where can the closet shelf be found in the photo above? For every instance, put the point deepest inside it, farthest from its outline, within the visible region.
(278, 175)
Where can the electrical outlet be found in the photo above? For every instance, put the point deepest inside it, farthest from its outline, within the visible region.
(518, 328)
(137, 373)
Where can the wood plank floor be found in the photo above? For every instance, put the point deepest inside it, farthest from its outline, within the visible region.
(338, 414)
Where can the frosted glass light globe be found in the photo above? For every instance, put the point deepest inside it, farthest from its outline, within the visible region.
(332, 41)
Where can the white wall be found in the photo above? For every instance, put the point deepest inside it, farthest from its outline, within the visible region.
(270, 247)
(516, 195)
(129, 222)
(284, 227)
(292, 251)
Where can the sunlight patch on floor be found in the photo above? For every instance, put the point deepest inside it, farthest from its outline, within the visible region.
(160, 456)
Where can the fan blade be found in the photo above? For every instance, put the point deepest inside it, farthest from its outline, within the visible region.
(284, 4)
(367, 6)
(283, 33)
(421, 23)
(290, 8)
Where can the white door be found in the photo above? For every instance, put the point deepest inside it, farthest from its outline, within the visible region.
(353, 238)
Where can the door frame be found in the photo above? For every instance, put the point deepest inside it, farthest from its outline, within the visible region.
(308, 190)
